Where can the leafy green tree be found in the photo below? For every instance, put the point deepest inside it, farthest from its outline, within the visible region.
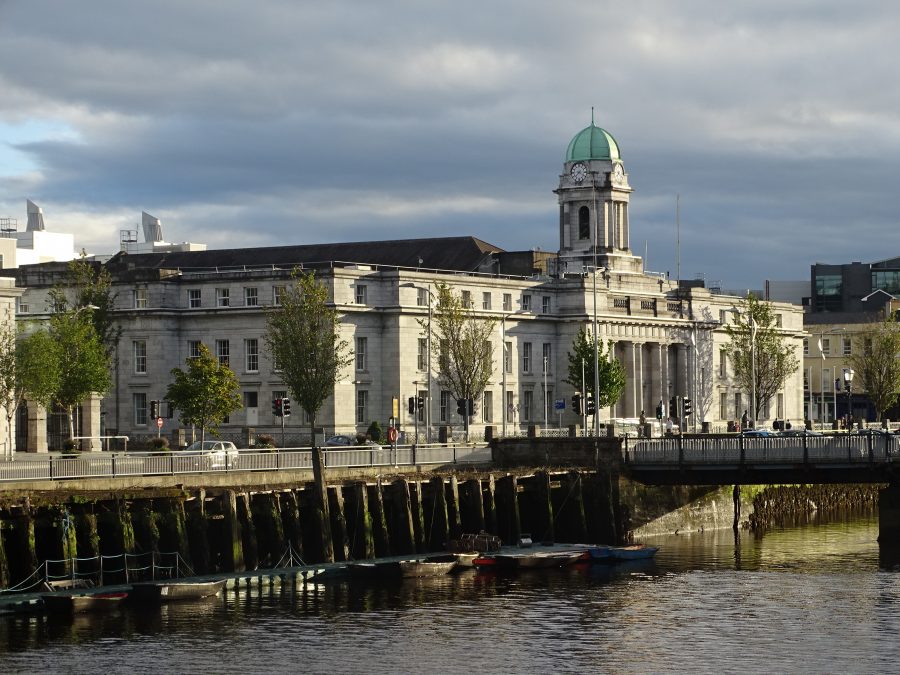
(755, 334)
(205, 392)
(82, 360)
(462, 346)
(302, 338)
(29, 368)
(877, 364)
(581, 360)
(91, 284)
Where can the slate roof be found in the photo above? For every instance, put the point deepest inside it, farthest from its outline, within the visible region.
(441, 253)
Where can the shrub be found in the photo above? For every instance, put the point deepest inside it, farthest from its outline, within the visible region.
(158, 444)
(71, 446)
(265, 441)
(374, 431)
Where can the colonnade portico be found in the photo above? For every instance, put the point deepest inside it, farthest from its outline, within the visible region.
(654, 371)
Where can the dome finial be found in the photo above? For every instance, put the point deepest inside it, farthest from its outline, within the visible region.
(592, 115)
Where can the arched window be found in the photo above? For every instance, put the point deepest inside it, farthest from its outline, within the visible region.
(584, 223)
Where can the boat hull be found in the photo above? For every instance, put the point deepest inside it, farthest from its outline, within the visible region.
(77, 603)
(617, 553)
(166, 591)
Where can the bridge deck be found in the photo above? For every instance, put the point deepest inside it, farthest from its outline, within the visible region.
(725, 460)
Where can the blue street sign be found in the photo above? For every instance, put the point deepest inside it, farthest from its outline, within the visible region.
(560, 404)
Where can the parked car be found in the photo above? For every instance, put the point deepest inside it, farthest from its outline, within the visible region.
(800, 432)
(342, 440)
(759, 433)
(221, 454)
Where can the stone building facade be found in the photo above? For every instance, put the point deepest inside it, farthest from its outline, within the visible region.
(669, 338)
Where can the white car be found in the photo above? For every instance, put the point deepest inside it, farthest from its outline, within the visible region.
(221, 454)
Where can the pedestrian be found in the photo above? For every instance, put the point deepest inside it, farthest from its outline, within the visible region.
(744, 420)
(787, 425)
(669, 426)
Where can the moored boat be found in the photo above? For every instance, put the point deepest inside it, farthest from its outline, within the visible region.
(433, 566)
(75, 603)
(174, 589)
(634, 552)
(527, 560)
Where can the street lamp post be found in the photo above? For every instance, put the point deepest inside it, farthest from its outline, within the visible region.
(848, 385)
(506, 355)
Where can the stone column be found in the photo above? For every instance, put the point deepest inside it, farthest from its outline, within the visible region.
(90, 424)
(682, 376)
(610, 356)
(37, 427)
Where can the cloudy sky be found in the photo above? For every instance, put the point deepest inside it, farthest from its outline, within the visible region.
(282, 121)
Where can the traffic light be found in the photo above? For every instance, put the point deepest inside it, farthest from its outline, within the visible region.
(687, 407)
(576, 404)
(590, 407)
(420, 402)
(286, 407)
(461, 406)
(659, 411)
(673, 406)
(276, 407)
(154, 409)
(470, 405)
(411, 405)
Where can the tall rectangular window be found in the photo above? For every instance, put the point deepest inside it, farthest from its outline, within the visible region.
(510, 405)
(545, 304)
(738, 405)
(444, 411)
(140, 298)
(362, 294)
(485, 301)
(805, 346)
(723, 363)
(362, 347)
(487, 407)
(545, 361)
(277, 292)
(223, 352)
(845, 346)
(251, 296)
(194, 349)
(779, 406)
(422, 297)
(139, 403)
(140, 356)
(223, 297)
(526, 302)
(251, 352)
(826, 346)
(527, 404)
(467, 299)
(194, 298)
(723, 406)
(362, 406)
(251, 399)
(526, 357)
(422, 359)
(507, 302)
(507, 357)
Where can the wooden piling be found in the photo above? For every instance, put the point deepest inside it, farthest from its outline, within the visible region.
(145, 523)
(249, 540)
(507, 504)
(471, 506)
(269, 531)
(568, 510)
(171, 522)
(437, 525)
(359, 522)
(320, 516)
(417, 513)
(599, 510)
(379, 524)
(489, 504)
(195, 513)
(290, 520)
(454, 520)
(338, 523)
(401, 520)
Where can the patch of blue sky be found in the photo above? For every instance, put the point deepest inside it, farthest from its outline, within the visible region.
(15, 160)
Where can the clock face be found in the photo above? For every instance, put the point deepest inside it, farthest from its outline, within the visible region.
(579, 171)
(618, 174)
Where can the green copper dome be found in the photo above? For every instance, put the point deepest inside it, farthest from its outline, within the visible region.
(592, 143)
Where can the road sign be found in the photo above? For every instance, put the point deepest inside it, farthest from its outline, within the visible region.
(560, 404)
(159, 422)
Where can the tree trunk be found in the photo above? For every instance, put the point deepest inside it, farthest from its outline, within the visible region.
(70, 414)
(312, 430)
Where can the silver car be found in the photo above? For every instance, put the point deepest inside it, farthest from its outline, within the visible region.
(219, 454)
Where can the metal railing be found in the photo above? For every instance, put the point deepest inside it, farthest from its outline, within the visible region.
(105, 446)
(740, 449)
(111, 465)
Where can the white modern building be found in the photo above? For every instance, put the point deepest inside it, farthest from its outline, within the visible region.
(669, 338)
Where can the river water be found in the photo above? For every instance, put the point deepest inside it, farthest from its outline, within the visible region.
(805, 599)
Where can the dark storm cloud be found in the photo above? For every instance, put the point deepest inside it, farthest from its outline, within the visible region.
(274, 122)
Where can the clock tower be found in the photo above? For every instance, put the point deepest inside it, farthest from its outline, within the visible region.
(593, 197)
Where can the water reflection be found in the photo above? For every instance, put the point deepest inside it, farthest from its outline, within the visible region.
(806, 598)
